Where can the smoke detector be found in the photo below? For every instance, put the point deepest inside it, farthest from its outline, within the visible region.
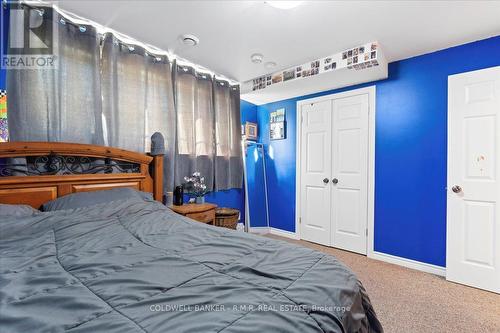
(270, 64)
(256, 58)
(189, 40)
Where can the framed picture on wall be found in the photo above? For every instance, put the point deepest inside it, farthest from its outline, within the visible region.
(277, 125)
(251, 130)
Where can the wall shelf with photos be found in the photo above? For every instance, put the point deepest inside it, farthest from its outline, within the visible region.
(364, 63)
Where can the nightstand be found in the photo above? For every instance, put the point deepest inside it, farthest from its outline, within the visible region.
(204, 213)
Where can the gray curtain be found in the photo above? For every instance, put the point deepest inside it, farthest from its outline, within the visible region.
(62, 104)
(106, 92)
(137, 100)
(228, 162)
(195, 125)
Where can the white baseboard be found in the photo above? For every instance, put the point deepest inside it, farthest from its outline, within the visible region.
(409, 263)
(258, 230)
(283, 233)
(273, 231)
(413, 264)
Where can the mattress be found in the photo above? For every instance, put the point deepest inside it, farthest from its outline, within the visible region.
(135, 266)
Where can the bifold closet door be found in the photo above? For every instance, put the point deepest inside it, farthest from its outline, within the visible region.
(315, 172)
(350, 173)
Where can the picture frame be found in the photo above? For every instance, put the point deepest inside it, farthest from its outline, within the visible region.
(277, 125)
(251, 130)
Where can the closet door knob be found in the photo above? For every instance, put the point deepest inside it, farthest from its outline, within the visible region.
(326, 180)
(335, 180)
(456, 189)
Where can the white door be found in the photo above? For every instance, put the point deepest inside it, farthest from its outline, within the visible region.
(315, 172)
(350, 173)
(473, 215)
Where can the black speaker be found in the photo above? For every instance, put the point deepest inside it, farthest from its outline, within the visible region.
(178, 195)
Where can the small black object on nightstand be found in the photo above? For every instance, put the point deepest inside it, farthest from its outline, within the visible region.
(178, 196)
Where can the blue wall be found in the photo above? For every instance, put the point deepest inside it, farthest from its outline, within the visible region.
(233, 198)
(4, 17)
(410, 148)
(2, 79)
(248, 112)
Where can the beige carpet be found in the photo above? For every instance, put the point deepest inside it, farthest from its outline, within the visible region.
(410, 301)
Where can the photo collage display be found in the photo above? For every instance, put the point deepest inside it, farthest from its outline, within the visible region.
(357, 58)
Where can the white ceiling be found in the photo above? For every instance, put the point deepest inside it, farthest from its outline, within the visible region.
(230, 31)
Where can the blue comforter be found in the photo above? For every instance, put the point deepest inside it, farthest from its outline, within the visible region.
(135, 266)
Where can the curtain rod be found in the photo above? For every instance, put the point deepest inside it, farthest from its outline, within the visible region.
(76, 20)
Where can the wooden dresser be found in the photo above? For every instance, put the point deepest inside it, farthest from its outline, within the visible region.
(204, 213)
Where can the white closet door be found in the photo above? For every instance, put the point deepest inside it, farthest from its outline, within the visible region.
(315, 172)
(473, 216)
(350, 173)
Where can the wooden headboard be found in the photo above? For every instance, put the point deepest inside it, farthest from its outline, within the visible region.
(33, 173)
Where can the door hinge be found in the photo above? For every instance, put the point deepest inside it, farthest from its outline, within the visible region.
(366, 231)
(300, 220)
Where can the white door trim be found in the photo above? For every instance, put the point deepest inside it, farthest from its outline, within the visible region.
(371, 91)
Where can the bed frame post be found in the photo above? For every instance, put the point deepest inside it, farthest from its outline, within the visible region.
(158, 177)
(157, 152)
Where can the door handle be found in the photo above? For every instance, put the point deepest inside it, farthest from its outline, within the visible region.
(456, 189)
(335, 180)
(326, 180)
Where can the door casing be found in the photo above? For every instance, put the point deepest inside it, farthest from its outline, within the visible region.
(371, 91)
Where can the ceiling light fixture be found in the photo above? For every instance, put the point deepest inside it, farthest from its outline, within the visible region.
(270, 64)
(283, 4)
(189, 40)
(256, 58)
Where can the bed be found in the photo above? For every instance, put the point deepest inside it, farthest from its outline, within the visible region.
(133, 265)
